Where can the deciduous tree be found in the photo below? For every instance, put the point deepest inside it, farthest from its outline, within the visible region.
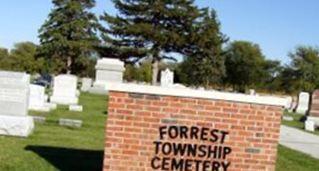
(244, 64)
(23, 58)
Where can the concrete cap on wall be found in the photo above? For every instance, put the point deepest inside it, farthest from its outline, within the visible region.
(191, 93)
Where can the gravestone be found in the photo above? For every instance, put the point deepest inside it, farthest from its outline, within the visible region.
(76, 108)
(52, 106)
(14, 100)
(303, 103)
(310, 125)
(287, 118)
(158, 128)
(108, 71)
(70, 122)
(167, 78)
(289, 102)
(37, 99)
(252, 92)
(86, 84)
(64, 90)
(39, 119)
(314, 107)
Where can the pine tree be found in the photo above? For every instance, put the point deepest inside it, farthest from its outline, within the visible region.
(68, 35)
(149, 29)
(204, 64)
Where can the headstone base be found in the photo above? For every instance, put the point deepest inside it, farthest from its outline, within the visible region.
(64, 100)
(43, 108)
(21, 126)
(290, 110)
(287, 118)
(301, 111)
(52, 106)
(76, 108)
(310, 125)
(314, 119)
(98, 89)
(70, 122)
(39, 119)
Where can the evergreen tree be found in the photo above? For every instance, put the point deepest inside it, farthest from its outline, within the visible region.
(68, 35)
(149, 28)
(204, 65)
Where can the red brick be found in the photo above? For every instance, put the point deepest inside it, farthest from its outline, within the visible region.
(134, 120)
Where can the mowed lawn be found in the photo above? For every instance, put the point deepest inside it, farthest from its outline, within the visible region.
(53, 147)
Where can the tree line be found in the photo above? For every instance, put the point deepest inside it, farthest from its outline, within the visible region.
(148, 35)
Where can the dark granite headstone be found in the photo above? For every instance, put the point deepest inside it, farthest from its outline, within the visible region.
(314, 107)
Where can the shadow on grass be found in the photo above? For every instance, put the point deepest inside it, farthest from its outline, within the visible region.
(66, 159)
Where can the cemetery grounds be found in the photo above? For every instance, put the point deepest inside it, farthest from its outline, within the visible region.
(54, 147)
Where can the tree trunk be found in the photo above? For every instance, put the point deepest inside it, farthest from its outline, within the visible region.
(69, 63)
(154, 71)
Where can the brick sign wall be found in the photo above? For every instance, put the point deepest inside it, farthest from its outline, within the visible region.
(157, 132)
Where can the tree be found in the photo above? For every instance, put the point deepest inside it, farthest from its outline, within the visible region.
(149, 29)
(244, 64)
(23, 58)
(5, 61)
(205, 64)
(303, 72)
(68, 36)
(270, 80)
(141, 72)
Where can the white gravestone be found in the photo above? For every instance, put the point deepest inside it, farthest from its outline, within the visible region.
(289, 102)
(252, 92)
(86, 84)
(303, 103)
(108, 71)
(64, 90)
(37, 99)
(167, 78)
(310, 126)
(52, 106)
(76, 108)
(14, 100)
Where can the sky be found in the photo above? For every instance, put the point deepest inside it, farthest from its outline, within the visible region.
(277, 26)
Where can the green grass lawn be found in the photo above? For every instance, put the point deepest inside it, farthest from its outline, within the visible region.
(290, 160)
(298, 122)
(52, 147)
